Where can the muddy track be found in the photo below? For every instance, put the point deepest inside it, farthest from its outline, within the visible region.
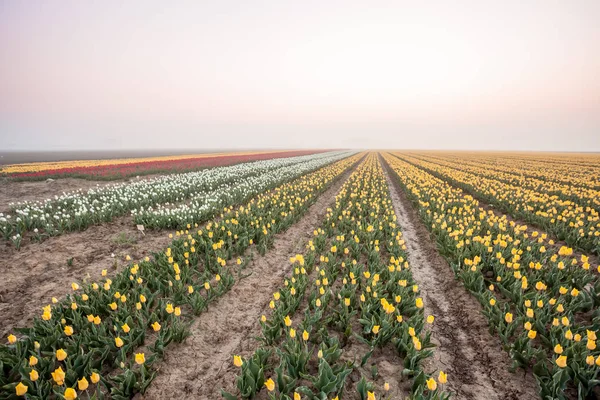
(202, 365)
(40, 271)
(477, 366)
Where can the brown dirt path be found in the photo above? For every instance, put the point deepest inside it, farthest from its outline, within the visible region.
(202, 365)
(477, 366)
(40, 271)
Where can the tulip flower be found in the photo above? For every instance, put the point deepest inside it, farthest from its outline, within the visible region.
(95, 377)
(59, 376)
(431, 384)
(140, 358)
(70, 394)
(270, 384)
(61, 354)
(21, 389)
(558, 349)
(237, 361)
(33, 375)
(82, 384)
(442, 378)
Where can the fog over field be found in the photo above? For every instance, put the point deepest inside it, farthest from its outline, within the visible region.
(338, 74)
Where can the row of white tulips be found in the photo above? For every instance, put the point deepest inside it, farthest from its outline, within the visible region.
(205, 204)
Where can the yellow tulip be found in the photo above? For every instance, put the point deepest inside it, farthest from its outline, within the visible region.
(95, 377)
(140, 358)
(532, 334)
(59, 376)
(82, 384)
(419, 302)
(431, 384)
(589, 360)
(33, 375)
(561, 361)
(237, 361)
(61, 354)
(443, 378)
(21, 389)
(270, 384)
(70, 394)
(118, 342)
(558, 349)
(591, 344)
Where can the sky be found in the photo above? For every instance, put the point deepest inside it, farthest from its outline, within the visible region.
(490, 75)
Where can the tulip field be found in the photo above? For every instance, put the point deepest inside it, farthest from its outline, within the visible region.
(119, 168)
(309, 276)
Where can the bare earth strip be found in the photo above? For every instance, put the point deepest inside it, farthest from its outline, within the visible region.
(202, 365)
(40, 271)
(477, 366)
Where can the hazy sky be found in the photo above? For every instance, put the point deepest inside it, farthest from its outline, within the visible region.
(446, 74)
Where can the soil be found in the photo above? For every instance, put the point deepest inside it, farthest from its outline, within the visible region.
(203, 364)
(39, 271)
(476, 365)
